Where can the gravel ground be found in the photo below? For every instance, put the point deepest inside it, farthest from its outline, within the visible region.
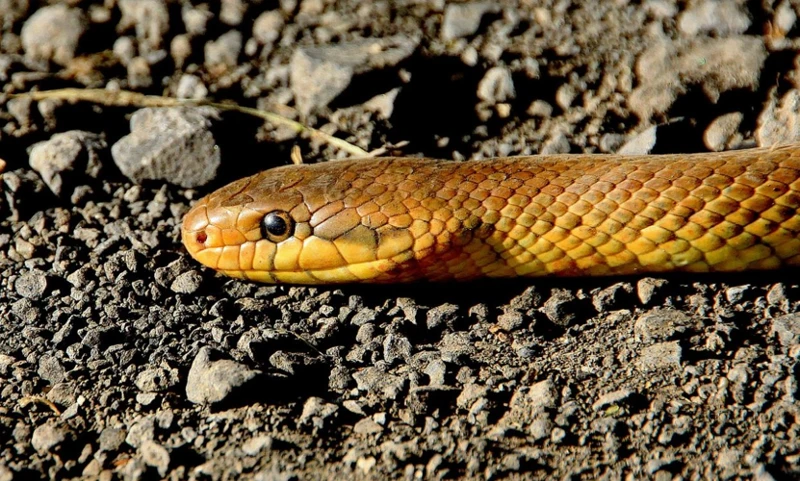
(121, 358)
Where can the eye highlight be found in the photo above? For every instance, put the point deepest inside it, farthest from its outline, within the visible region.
(277, 226)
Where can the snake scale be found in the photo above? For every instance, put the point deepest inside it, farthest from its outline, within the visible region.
(409, 219)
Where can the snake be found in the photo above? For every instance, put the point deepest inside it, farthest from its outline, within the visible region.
(404, 219)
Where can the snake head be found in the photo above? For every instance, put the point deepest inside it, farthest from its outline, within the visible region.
(307, 224)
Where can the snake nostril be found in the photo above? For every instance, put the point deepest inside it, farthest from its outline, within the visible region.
(202, 237)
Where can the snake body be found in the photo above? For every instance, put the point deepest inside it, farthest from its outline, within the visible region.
(408, 219)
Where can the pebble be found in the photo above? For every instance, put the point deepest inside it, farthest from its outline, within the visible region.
(155, 455)
(721, 18)
(48, 437)
(444, 314)
(542, 395)
(649, 288)
(191, 87)
(111, 439)
(562, 307)
(496, 86)
(366, 426)
(156, 379)
(615, 295)
(224, 51)
(396, 348)
(255, 445)
(723, 132)
(31, 285)
(660, 355)
(170, 144)
(660, 324)
(510, 320)
(787, 329)
(139, 75)
(67, 159)
(267, 27)
(150, 20)
(611, 398)
(232, 12)
(317, 75)
(463, 19)
(124, 49)
(51, 370)
(52, 34)
(779, 122)
(317, 413)
(187, 282)
(211, 381)
(641, 144)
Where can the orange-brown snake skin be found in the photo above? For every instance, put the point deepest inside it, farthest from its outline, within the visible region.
(408, 219)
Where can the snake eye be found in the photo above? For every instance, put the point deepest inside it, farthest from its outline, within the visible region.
(276, 226)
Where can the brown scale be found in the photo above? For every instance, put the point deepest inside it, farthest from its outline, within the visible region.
(407, 219)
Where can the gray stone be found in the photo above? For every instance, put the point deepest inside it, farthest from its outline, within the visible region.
(721, 18)
(660, 324)
(51, 370)
(787, 329)
(542, 395)
(641, 144)
(319, 74)
(464, 19)
(187, 282)
(170, 144)
(611, 398)
(723, 132)
(48, 437)
(155, 455)
(316, 413)
(660, 355)
(496, 86)
(257, 444)
(52, 34)
(67, 159)
(156, 379)
(111, 439)
(396, 348)
(224, 51)
(211, 382)
(267, 27)
(31, 285)
(648, 288)
(149, 18)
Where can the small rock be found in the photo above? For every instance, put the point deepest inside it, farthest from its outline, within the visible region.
(31, 285)
(436, 371)
(649, 288)
(612, 398)
(267, 27)
(441, 315)
(111, 439)
(232, 12)
(610, 297)
(150, 19)
(66, 159)
(787, 329)
(562, 307)
(738, 293)
(316, 413)
(170, 144)
(540, 427)
(723, 132)
(510, 320)
(779, 122)
(721, 18)
(542, 395)
(660, 325)
(211, 382)
(153, 454)
(367, 426)
(224, 51)
(257, 444)
(47, 437)
(496, 86)
(641, 144)
(396, 348)
(52, 33)
(187, 282)
(156, 379)
(191, 87)
(51, 370)
(464, 19)
(319, 74)
(661, 355)
(139, 74)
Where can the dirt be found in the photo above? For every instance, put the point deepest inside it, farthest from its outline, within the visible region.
(122, 358)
